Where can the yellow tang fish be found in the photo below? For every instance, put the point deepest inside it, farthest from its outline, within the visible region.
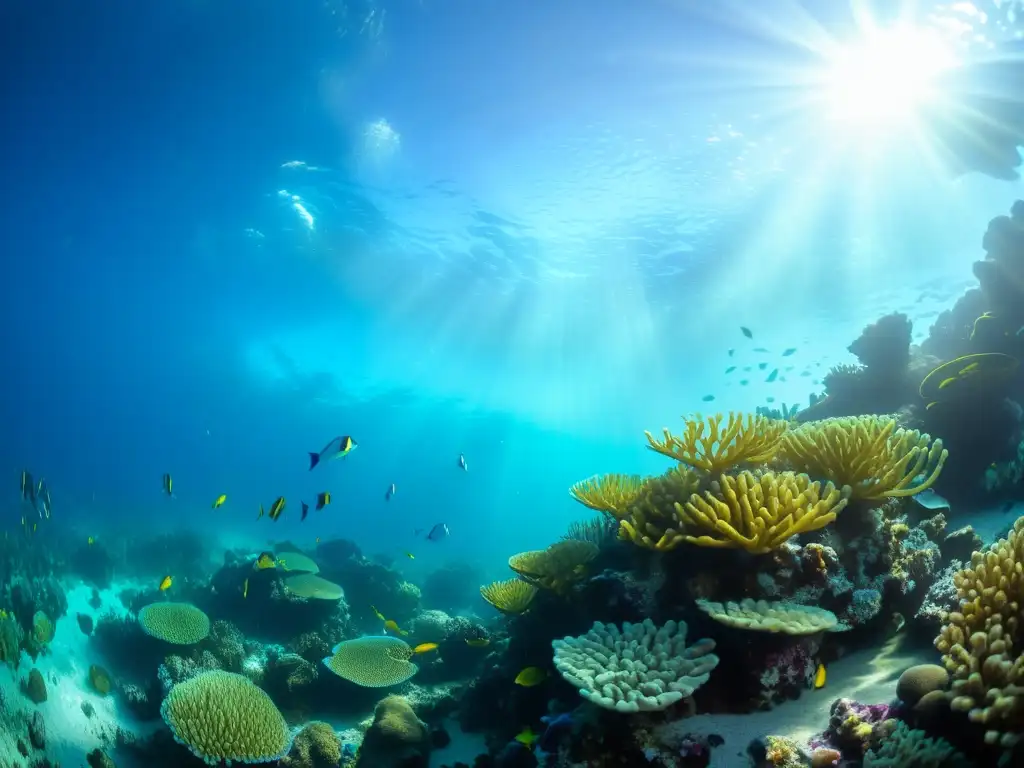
(391, 624)
(531, 676)
(220, 500)
(425, 648)
(477, 642)
(946, 382)
(276, 508)
(264, 561)
(245, 589)
(819, 677)
(165, 583)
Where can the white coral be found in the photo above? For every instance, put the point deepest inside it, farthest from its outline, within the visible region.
(638, 668)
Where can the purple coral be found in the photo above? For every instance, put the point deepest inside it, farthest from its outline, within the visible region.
(850, 725)
(787, 672)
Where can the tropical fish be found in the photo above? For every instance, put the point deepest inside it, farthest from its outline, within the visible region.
(789, 351)
(527, 737)
(305, 510)
(531, 676)
(425, 648)
(708, 398)
(763, 350)
(946, 382)
(264, 561)
(773, 375)
(90, 541)
(322, 500)
(377, 613)
(168, 484)
(477, 642)
(730, 369)
(276, 508)
(819, 677)
(770, 399)
(392, 625)
(462, 462)
(438, 532)
(410, 555)
(744, 382)
(28, 488)
(338, 448)
(746, 332)
(390, 492)
(245, 589)
(261, 512)
(165, 583)
(969, 368)
(931, 405)
(220, 500)
(762, 366)
(731, 352)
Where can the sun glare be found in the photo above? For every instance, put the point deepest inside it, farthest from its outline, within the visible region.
(880, 80)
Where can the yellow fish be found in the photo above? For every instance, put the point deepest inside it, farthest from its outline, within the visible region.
(245, 589)
(969, 368)
(410, 555)
(527, 737)
(477, 642)
(90, 541)
(531, 676)
(276, 508)
(377, 613)
(946, 382)
(425, 648)
(220, 500)
(264, 561)
(819, 677)
(392, 625)
(165, 583)
(931, 405)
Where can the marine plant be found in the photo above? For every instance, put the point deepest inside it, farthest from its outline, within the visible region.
(512, 596)
(707, 445)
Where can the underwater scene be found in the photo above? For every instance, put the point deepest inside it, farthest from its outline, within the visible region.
(489, 384)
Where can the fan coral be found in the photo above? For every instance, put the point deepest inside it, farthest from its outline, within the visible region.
(781, 617)
(556, 567)
(706, 445)
(868, 453)
(983, 643)
(612, 493)
(638, 668)
(177, 623)
(372, 662)
(221, 716)
(511, 597)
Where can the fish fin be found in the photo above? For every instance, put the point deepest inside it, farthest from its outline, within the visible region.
(314, 459)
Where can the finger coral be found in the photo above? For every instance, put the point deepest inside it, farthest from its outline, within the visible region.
(759, 514)
(779, 617)
(556, 567)
(372, 662)
(221, 716)
(707, 445)
(982, 644)
(177, 623)
(612, 494)
(867, 453)
(639, 667)
(651, 521)
(510, 597)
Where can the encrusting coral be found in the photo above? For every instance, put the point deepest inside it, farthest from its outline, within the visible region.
(706, 445)
(638, 668)
(512, 596)
(763, 616)
(867, 453)
(983, 642)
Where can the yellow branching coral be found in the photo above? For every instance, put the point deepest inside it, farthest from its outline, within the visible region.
(707, 445)
(512, 596)
(868, 453)
(651, 521)
(611, 493)
(982, 644)
(759, 514)
(556, 567)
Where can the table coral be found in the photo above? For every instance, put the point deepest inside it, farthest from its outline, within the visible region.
(372, 662)
(512, 596)
(777, 617)
(177, 623)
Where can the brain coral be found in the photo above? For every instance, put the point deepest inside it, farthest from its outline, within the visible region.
(638, 668)
(221, 716)
(178, 623)
(372, 662)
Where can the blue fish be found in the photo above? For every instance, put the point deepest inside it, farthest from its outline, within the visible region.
(338, 448)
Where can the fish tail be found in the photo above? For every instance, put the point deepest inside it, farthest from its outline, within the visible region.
(314, 459)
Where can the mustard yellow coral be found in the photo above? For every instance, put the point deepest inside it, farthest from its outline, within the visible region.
(612, 493)
(177, 623)
(556, 567)
(868, 453)
(512, 596)
(759, 514)
(651, 521)
(982, 644)
(707, 445)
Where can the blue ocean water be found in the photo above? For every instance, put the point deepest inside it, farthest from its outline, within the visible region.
(521, 232)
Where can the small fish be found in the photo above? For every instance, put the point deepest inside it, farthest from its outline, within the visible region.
(531, 676)
(770, 399)
(744, 382)
(438, 532)
(390, 492)
(276, 508)
(730, 369)
(410, 555)
(929, 499)
(477, 642)
(305, 510)
(762, 366)
(317, 539)
(708, 398)
(746, 332)
(425, 648)
(264, 561)
(245, 589)
(377, 613)
(90, 541)
(338, 448)
(462, 462)
(968, 368)
(773, 375)
(731, 351)
(788, 352)
(219, 500)
(763, 350)
(165, 583)
(527, 737)
(261, 512)
(168, 484)
(931, 405)
(322, 500)
(946, 382)
(819, 677)
(28, 488)
(392, 625)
